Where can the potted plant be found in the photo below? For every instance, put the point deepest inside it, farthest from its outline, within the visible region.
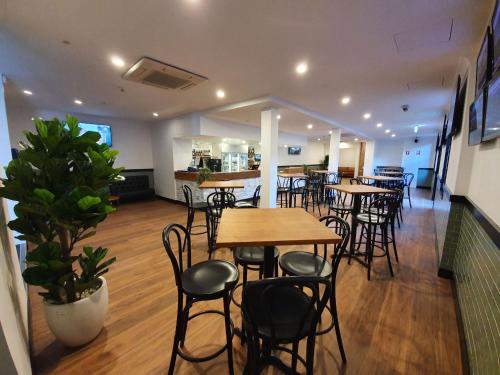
(204, 174)
(60, 182)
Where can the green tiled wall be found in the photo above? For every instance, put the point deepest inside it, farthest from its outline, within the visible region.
(475, 262)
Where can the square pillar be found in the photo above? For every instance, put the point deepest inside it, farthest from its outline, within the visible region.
(334, 151)
(269, 163)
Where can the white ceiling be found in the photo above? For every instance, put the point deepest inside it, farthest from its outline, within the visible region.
(382, 53)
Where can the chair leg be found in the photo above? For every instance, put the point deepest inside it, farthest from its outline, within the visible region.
(409, 196)
(335, 317)
(310, 355)
(393, 234)
(386, 245)
(295, 354)
(178, 327)
(369, 248)
(185, 319)
(229, 338)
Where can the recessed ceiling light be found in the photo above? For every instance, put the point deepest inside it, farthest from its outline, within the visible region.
(278, 117)
(393, 135)
(356, 139)
(379, 125)
(40, 117)
(367, 115)
(415, 129)
(309, 126)
(224, 139)
(117, 61)
(78, 101)
(285, 146)
(32, 119)
(260, 143)
(301, 68)
(155, 114)
(345, 100)
(243, 141)
(220, 94)
(319, 139)
(387, 130)
(27, 92)
(330, 132)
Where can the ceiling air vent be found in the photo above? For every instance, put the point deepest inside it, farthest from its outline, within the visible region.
(155, 73)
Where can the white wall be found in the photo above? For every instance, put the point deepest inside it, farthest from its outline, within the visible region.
(312, 153)
(420, 155)
(388, 152)
(131, 138)
(14, 345)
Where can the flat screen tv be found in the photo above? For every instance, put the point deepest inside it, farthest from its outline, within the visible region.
(483, 63)
(257, 157)
(103, 130)
(476, 120)
(294, 150)
(491, 129)
(495, 36)
(451, 114)
(458, 114)
(443, 131)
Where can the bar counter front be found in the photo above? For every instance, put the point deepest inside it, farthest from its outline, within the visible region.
(250, 180)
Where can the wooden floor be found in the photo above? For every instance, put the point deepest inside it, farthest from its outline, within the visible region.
(400, 325)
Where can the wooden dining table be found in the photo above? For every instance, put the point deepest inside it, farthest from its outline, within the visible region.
(270, 227)
(222, 186)
(290, 177)
(357, 191)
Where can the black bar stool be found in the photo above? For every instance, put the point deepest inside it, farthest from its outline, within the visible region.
(192, 207)
(280, 311)
(305, 263)
(253, 204)
(205, 281)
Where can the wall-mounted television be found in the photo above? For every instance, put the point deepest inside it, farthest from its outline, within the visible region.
(476, 117)
(451, 114)
(458, 114)
(483, 62)
(257, 157)
(294, 150)
(491, 128)
(103, 130)
(444, 130)
(495, 38)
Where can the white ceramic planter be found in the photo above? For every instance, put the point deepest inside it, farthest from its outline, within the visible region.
(77, 323)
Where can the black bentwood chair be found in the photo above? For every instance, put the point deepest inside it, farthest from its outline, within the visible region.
(192, 207)
(253, 204)
(280, 311)
(305, 263)
(216, 202)
(205, 281)
(408, 179)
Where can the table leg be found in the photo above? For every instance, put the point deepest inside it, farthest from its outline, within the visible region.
(290, 192)
(268, 261)
(223, 193)
(356, 207)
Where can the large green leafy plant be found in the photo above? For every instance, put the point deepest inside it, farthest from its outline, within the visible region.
(60, 182)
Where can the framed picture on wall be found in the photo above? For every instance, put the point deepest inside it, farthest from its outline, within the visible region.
(495, 36)
(444, 130)
(483, 62)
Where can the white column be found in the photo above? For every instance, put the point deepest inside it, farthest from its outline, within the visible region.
(334, 151)
(369, 153)
(269, 164)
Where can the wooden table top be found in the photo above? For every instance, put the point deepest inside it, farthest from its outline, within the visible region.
(233, 184)
(292, 175)
(358, 189)
(325, 171)
(382, 178)
(272, 227)
(390, 172)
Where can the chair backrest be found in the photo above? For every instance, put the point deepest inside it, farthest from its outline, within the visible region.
(384, 206)
(264, 300)
(256, 196)
(354, 181)
(282, 182)
(408, 178)
(343, 229)
(177, 243)
(188, 196)
(220, 200)
(332, 178)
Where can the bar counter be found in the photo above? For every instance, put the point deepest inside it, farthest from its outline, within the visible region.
(250, 179)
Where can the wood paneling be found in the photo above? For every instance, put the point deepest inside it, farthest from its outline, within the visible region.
(400, 325)
(218, 176)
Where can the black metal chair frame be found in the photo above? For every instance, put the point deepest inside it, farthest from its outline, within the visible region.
(259, 355)
(312, 193)
(179, 267)
(216, 203)
(408, 179)
(188, 196)
(255, 200)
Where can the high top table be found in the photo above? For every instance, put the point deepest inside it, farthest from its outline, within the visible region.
(270, 227)
(290, 177)
(357, 191)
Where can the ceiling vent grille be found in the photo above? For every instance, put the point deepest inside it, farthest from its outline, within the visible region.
(155, 73)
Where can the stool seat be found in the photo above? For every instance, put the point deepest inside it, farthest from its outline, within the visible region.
(243, 204)
(375, 219)
(251, 255)
(209, 279)
(287, 305)
(303, 263)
